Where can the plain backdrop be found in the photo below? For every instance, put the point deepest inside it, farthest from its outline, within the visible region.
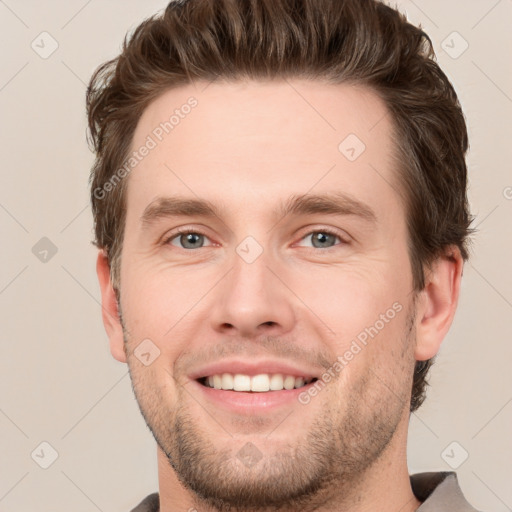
(59, 384)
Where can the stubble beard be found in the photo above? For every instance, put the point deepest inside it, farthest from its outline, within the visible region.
(328, 461)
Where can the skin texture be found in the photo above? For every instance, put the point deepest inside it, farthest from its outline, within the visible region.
(246, 147)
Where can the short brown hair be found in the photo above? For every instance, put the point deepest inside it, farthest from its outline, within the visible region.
(364, 42)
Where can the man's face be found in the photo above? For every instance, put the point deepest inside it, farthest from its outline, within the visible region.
(252, 291)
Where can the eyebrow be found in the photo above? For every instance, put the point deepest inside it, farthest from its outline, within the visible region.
(338, 203)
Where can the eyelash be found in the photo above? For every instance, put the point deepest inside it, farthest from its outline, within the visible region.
(188, 231)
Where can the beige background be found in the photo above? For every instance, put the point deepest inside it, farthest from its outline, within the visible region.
(58, 382)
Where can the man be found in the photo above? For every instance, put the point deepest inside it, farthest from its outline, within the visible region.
(279, 198)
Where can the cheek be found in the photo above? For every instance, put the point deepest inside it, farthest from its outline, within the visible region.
(157, 298)
(155, 392)
(377, 371)
(348, 299)
(367, 312)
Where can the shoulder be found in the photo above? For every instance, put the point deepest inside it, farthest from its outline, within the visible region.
(150, 503)
(439, 492)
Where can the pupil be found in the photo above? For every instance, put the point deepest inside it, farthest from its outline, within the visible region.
(191, 238)
(322, 238)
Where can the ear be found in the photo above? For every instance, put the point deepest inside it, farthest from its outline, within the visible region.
(437, 303)
(109, 308)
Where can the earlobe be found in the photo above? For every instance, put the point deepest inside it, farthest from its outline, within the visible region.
(109, 308)
(437, 303)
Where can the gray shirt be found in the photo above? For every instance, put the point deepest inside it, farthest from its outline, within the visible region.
(438, 492)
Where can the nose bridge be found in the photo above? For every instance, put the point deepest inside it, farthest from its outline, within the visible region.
(250, 274)
(252, 255)
(250, 279)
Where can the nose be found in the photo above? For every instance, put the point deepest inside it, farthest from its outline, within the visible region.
(252, 300)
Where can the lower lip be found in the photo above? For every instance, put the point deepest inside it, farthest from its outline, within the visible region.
(252, 402)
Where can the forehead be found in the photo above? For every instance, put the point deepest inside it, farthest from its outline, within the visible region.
(241, 140)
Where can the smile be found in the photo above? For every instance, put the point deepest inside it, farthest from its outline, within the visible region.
(260, 383)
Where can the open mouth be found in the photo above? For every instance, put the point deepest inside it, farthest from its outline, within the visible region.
(261, 383)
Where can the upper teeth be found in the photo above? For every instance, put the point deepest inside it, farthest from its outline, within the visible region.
(262, 382)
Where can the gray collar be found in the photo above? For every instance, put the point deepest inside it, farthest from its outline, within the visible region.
(439, 492)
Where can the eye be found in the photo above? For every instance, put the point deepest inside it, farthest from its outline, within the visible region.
(187, 239)
(323, 239)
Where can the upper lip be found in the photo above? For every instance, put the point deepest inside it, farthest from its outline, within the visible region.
(270, 366)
